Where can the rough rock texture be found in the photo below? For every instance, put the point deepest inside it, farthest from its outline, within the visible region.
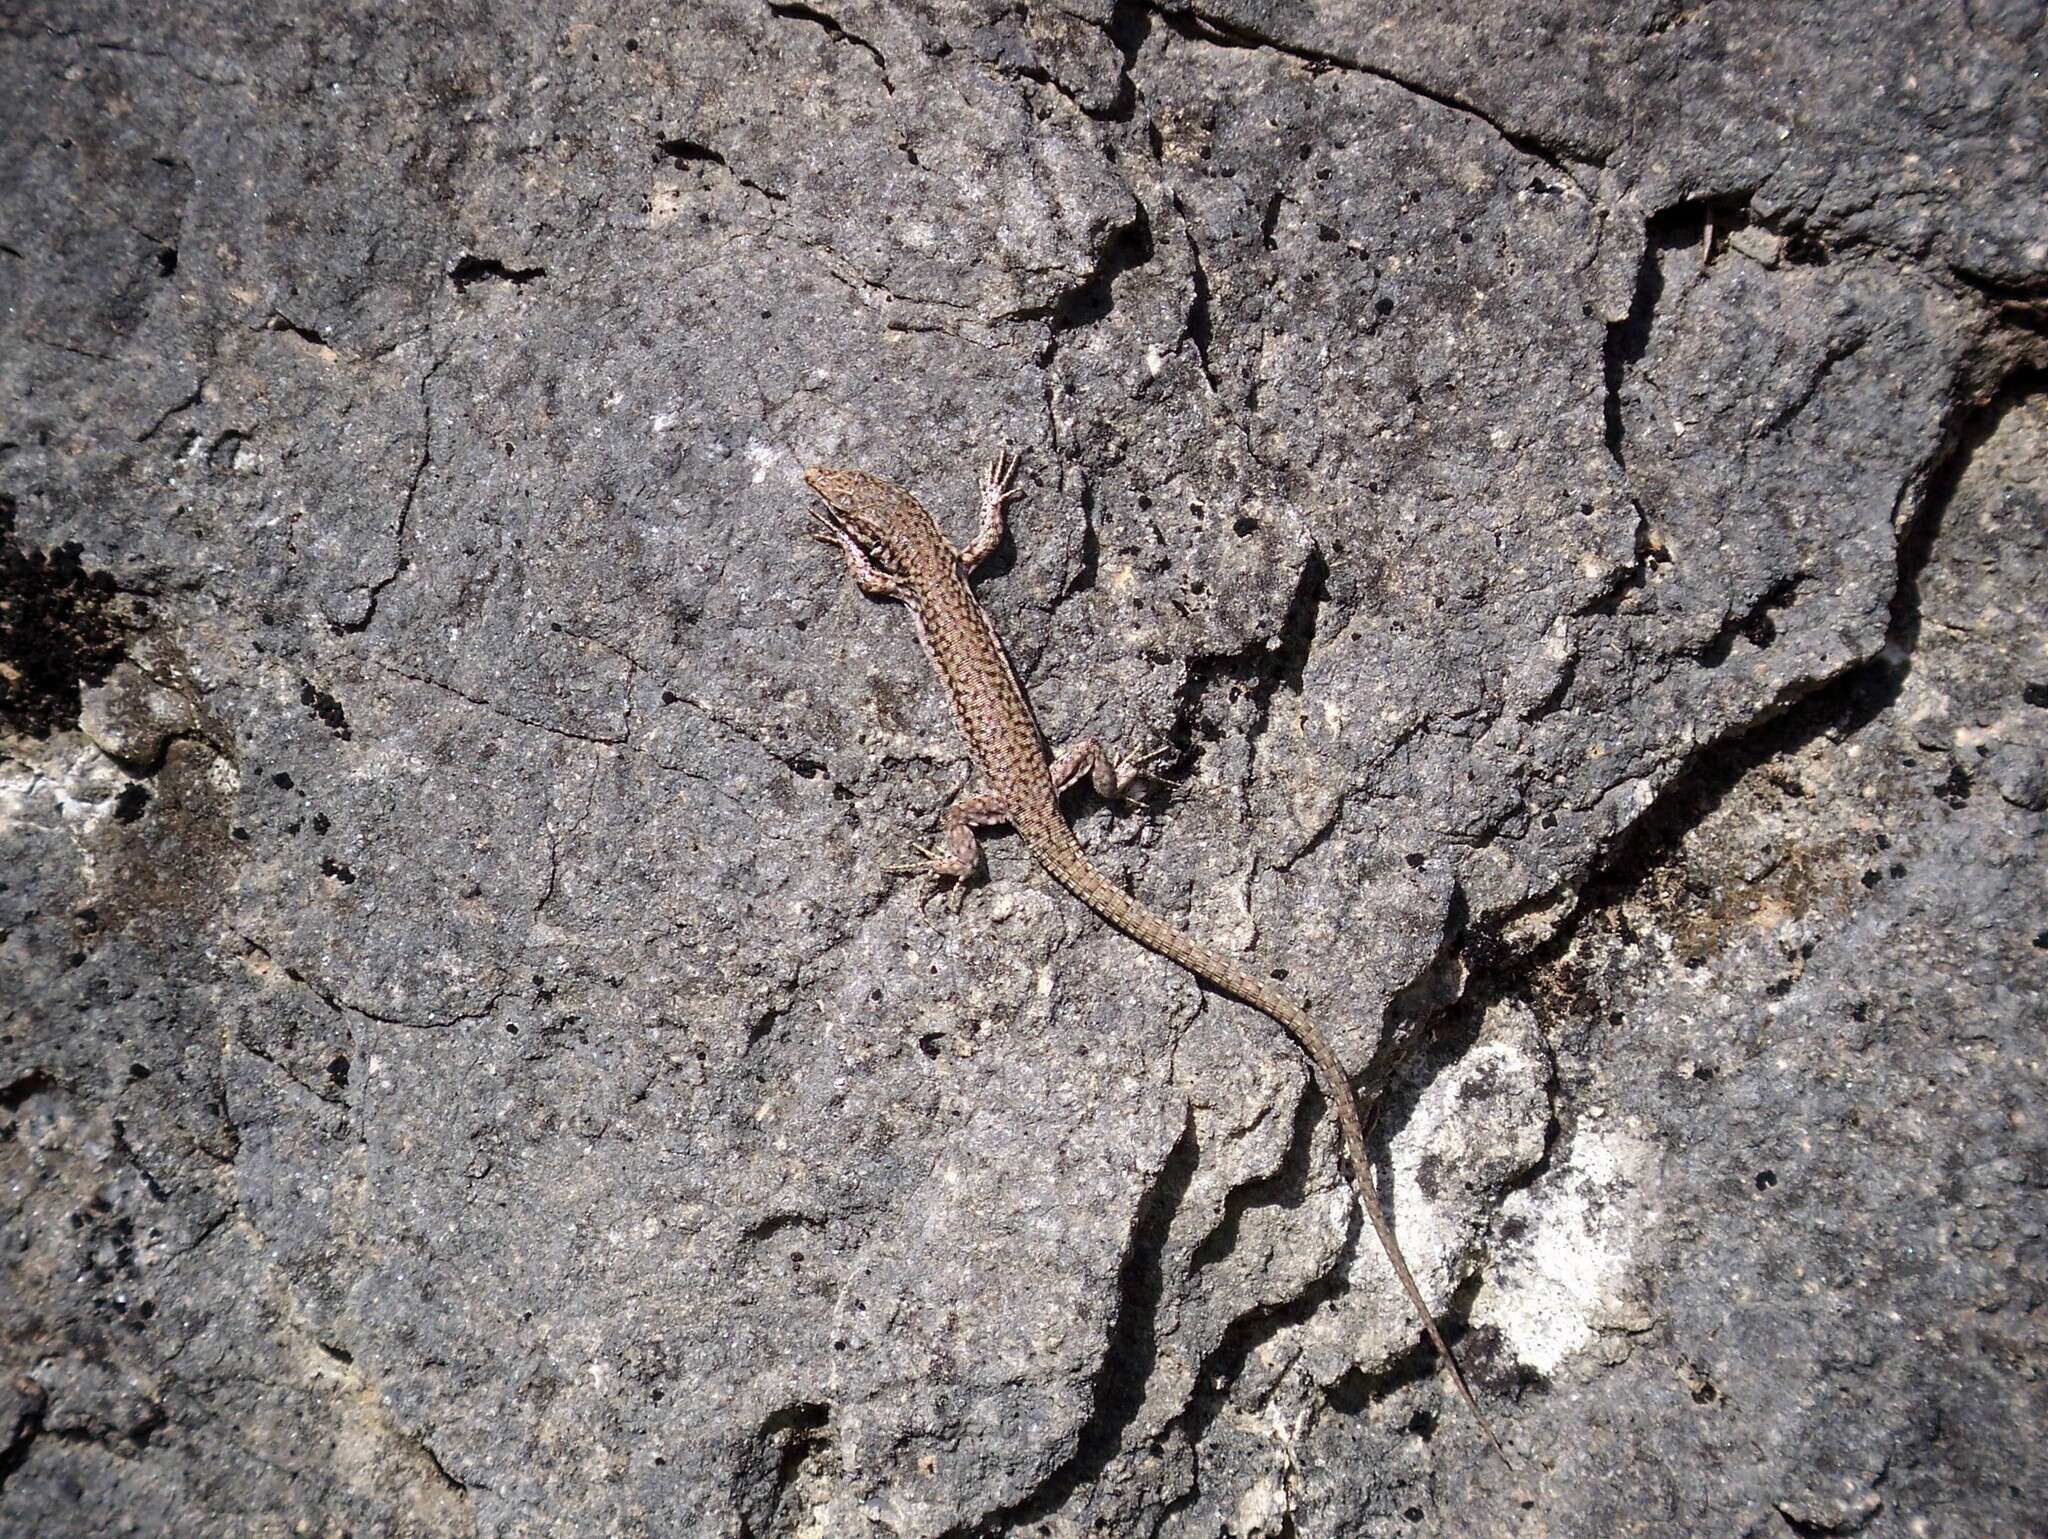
(1571, 490)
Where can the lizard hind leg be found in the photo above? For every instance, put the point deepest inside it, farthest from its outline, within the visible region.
(957, 854)
(1111, 779)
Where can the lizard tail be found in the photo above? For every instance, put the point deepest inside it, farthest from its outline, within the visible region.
(1154, 932)
(1337, 1091)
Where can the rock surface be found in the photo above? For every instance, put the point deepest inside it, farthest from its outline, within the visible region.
(1572, 493)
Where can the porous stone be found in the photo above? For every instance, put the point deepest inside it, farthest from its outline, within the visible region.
(1567, 488)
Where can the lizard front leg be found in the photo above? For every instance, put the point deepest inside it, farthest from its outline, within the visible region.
(872, 579)
(995, 491)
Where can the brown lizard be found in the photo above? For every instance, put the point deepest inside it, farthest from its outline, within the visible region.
(895, 549)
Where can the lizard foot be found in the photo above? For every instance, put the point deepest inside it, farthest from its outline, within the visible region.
(996, 477)
(1145, 764)
(937, 871)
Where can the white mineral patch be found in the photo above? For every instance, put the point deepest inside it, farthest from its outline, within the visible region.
(1563, 1278)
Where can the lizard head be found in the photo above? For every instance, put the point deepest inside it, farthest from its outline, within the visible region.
(867, 508)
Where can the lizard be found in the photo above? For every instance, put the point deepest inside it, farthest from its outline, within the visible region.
(895, 549)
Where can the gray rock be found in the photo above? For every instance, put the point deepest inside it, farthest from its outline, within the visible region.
(1570, 492)
(133, 718)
